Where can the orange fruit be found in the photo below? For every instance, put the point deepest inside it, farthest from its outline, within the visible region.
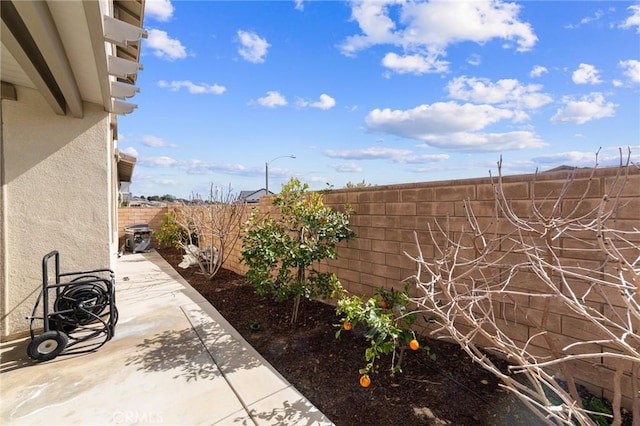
(383, 304)
(414, 345)
(347, 325)
(365, 381)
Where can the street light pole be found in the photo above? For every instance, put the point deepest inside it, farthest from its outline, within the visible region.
(266, 171)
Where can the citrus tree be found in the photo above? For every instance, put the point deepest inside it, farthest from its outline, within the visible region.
(172, 234)
(282, 250)
(387, 320)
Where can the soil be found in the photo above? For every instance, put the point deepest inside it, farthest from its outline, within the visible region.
(448, 391)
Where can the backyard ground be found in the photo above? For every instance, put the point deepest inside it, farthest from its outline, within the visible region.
(448, 391)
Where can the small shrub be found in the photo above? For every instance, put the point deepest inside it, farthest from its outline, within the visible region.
(597, 405)
(173, 234)
(388, 321)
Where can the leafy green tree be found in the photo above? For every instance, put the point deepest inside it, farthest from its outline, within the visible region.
(281, 251)
(363, 184)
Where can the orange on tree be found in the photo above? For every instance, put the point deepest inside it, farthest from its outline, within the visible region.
(347, 325)
(414, 345)
(365, 381)
(383, 304)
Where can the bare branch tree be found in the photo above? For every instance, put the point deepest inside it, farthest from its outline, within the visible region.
(213, 226)
(567, 254)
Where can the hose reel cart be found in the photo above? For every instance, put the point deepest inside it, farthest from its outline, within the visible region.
(79, 312)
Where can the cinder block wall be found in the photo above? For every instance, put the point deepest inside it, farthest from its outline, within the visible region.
(152, 216)
(386, 218)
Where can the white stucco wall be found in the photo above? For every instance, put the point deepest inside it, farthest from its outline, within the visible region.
(57, 197)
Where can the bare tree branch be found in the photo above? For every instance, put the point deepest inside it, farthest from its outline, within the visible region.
(475, 282)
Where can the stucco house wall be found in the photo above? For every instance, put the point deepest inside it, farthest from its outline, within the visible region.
(57, 196)
(66, 69)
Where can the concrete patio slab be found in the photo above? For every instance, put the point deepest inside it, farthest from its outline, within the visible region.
(174, 360)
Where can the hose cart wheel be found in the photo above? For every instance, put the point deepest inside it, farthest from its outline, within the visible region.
(47, 345)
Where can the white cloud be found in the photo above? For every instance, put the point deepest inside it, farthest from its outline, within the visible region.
(346, 168)
(376, 25)
(325, 102)
(424, 30)
(506, 92)
(368, 153)
(607, 156)
(155, 142)
(454, 126)
(439, 24)
(439, 118)
(199, 167)
(596, 16)
(589, 107)
(253, 48)
(538, 70)
(474, 60)
(586, 74)
(634, 19)
(130, 151)
(163, 161)
(414, 64)
(299, 4)
(631, 69)
(422, 159)
(193, 88)
(164, 46)
(160, 10)
(568, 158)
(486, 142)
(272, 100)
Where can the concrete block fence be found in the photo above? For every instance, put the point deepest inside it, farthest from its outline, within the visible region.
(386, 218)
(152, 216)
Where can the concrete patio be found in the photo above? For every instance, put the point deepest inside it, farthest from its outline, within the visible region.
(174, 360)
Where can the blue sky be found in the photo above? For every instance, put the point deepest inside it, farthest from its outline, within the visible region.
(382, 91)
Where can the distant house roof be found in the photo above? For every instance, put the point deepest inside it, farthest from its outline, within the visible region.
(252, 196)
(564, 168)
(138, 202)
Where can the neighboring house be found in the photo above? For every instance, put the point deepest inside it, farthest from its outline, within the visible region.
(126, 163)
(138, 202)
(253, 196)
(67, 67)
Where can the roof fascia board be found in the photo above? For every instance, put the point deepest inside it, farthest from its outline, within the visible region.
(18, 41)
(94, 20)
(37, 18)
(131, 12)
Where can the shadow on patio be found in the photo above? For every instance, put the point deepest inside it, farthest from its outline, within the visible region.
(174, 360)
